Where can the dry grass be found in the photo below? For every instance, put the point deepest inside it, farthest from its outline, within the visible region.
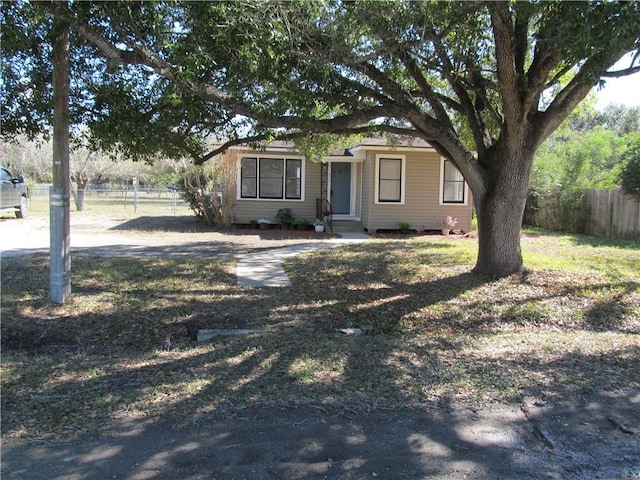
(433, 333)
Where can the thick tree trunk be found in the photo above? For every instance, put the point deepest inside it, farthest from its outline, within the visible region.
(500, 213)
(499, 222)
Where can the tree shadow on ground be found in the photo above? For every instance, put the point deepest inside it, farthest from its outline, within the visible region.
(189, 224)
(321, 434)
(592, 241)
(298, 400)
(157, 223)
(610, 314)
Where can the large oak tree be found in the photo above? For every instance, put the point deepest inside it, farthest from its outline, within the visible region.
(484, 82)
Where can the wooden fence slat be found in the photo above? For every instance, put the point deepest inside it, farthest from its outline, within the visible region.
(603, 213)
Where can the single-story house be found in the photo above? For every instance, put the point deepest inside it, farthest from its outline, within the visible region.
(373, 183)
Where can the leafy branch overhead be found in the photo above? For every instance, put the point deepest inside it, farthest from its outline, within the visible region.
(426, 69)
(481, 82)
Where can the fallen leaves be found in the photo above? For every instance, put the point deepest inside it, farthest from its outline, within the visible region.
(432, 332)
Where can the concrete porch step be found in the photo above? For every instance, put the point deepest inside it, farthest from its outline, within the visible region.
(345, 226)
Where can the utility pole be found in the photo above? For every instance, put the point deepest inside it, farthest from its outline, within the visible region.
(60, 244)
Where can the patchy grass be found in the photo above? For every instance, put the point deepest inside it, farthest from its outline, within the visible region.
(125, 344)
(615, 258)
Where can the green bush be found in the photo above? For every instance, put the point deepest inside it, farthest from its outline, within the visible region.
(285, 215)
(630, 174)
(199, 201)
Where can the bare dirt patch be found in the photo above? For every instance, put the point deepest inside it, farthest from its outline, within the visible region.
(320, 443)
(127, 235)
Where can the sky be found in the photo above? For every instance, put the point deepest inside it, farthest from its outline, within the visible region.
(623, 90)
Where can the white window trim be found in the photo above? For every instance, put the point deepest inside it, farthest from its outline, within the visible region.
(403, 179)
(258, 156)
(441, 189)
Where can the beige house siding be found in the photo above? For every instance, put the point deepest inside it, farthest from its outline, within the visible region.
(367, 192)
(358, 206)
(421, 206)
(368, 174)
(253, 209)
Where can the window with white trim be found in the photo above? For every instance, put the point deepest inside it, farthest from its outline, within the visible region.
(453, 188)
(390, 179)
(293, 179)
(271, 178)
(248, 178)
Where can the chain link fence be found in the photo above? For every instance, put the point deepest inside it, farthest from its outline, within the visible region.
(141, 201)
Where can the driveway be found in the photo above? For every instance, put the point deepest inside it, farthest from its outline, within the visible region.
(121, 235)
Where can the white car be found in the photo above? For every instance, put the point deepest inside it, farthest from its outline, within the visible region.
(13, 194)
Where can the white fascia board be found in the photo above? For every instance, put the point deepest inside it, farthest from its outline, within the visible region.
(382, 148)
(272, 150)
(345, 158)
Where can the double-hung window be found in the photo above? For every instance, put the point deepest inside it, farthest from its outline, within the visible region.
(453, 186)
(270, 184)
(248, 178)
(390, 179)
(271, 178)
(293, 179)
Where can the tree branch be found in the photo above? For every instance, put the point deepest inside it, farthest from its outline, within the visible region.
(506, 63)
(434, 102)
(293, 135)
(142, 54)
(564, 103)
(391, 87)
(621, 73)
(521, 33)
(115, 56)
(479, 131)
(542, 65)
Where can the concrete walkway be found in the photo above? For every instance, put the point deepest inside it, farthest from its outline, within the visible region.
(265, 269)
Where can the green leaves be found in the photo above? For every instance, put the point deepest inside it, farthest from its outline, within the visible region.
(589, 151)
(630, 174)
(180, 74)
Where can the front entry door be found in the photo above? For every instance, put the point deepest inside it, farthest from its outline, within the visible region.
(340, 188)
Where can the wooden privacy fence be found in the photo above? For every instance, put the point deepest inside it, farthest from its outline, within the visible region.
(602, 213)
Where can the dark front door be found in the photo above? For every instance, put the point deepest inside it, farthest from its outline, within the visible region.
(341, 187)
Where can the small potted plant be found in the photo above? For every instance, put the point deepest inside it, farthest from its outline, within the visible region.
(301, 223)
(264, 224)
(404, 227)
(447, 224)
(285, 216)
(318, 225)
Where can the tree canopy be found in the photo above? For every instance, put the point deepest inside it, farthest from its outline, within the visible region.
(484, 82)
(630, 175)
(587, 151)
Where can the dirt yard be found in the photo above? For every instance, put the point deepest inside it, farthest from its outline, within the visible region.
(596, 436)
(146, 235)
(555, 442)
